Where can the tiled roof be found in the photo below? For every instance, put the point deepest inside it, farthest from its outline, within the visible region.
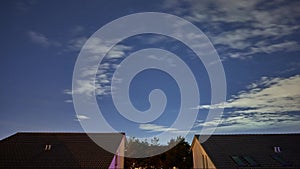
(260, 148)
(68, 150)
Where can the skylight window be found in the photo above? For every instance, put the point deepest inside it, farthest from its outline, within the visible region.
(279, 159)
(239, 161)
(251, 161)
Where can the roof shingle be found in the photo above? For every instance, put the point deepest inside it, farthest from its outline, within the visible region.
(68, 150)
(259, 147)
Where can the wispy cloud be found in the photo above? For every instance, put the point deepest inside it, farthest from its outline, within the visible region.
(118, 51)
(78, 29)
(159, 128)
(155, 128)
(69, 101)
(269, 102)
(81, 117)
(75, 44)
(41, 39)
(269, 95)
(163, 58)
(89, 88)
(255, 122)
(67, 91)
(242, 29)
(284, 46)
(101, 85)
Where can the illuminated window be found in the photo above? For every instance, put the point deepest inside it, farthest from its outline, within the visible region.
(277, 149)
(47, 147)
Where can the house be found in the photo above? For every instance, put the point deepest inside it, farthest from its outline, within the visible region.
(247, 151)
(61, 150)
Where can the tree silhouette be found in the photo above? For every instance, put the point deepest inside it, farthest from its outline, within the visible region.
(178, 155)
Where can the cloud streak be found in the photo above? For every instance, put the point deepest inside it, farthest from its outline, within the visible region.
(159, 128)
(101, 85)
(269, 95)
(268, 103)
(242, 29)
(41, 39)
(81, 117)
(156, 128)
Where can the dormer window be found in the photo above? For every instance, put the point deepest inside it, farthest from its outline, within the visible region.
(277, 149)
(47, 147)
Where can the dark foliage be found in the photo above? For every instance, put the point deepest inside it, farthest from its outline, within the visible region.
(178, 156)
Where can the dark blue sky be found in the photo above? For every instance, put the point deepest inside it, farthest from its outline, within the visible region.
(257, 41)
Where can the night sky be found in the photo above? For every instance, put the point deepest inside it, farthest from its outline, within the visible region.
(257, 42)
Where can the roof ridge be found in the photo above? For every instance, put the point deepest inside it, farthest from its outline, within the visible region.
(50, 132)
(240, 134)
